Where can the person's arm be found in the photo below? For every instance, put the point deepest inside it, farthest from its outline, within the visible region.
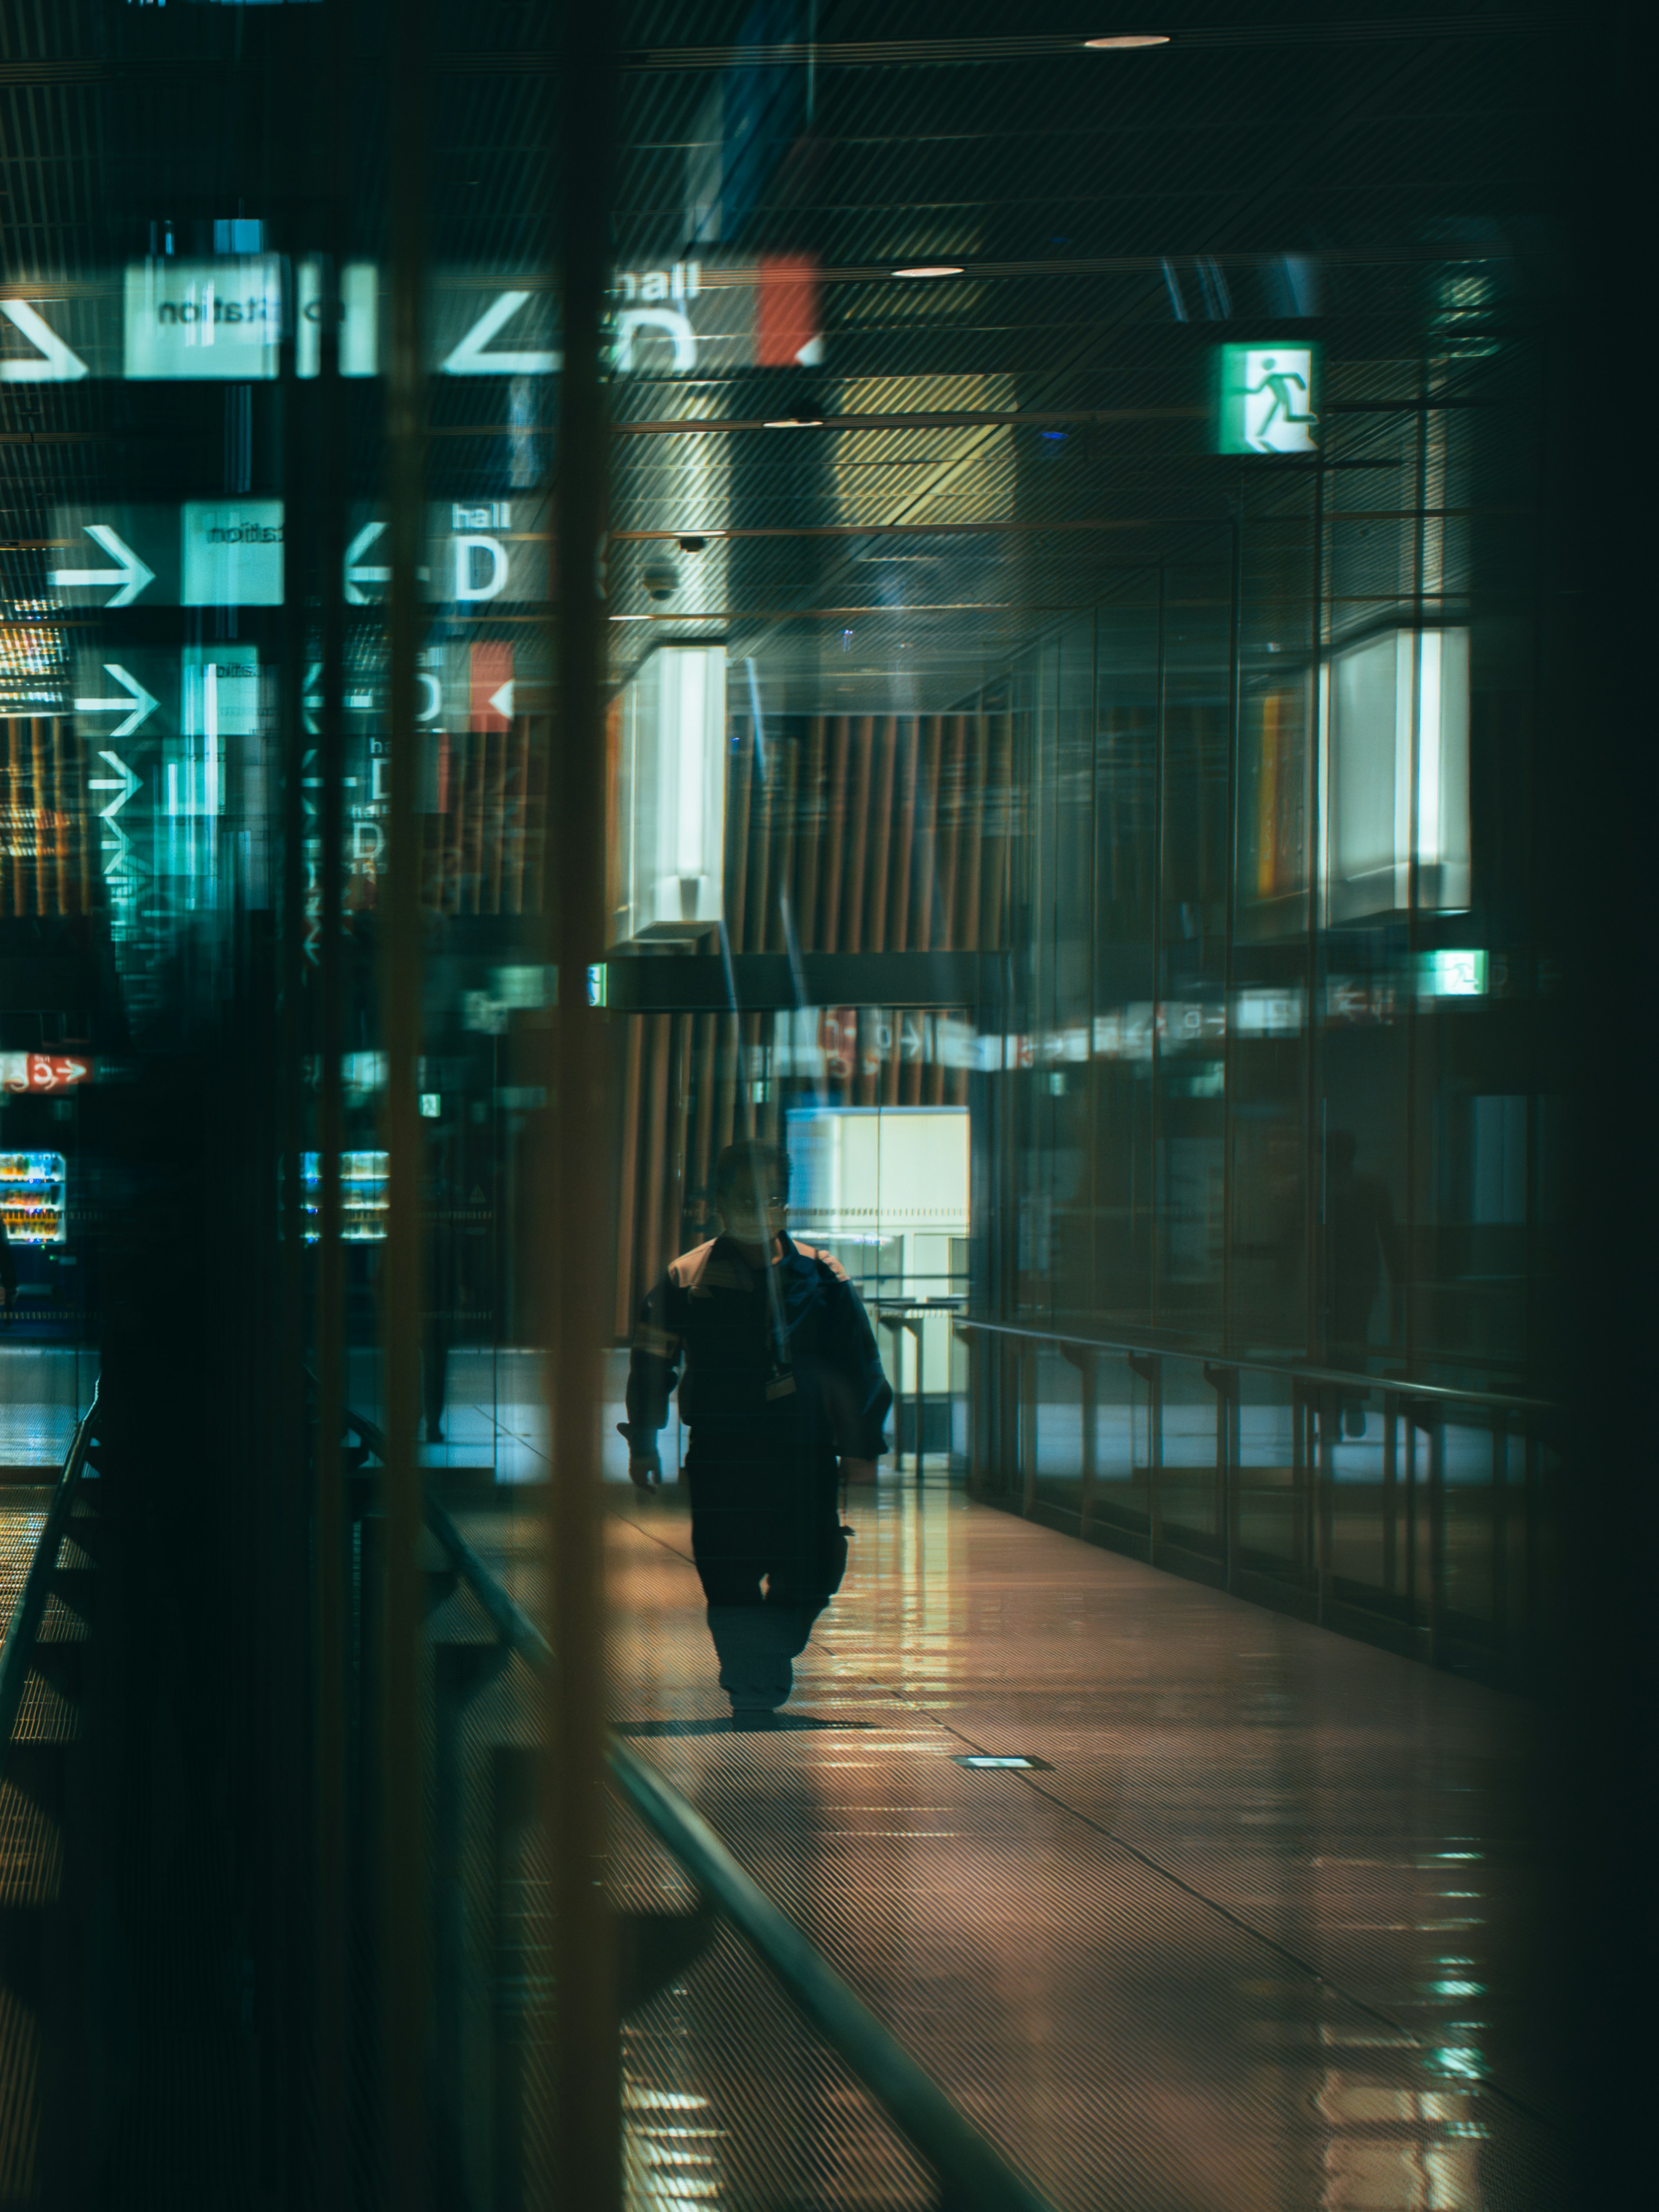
(653, 1369)
(861, 1399)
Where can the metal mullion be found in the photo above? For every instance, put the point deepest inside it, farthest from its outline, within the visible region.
(330, 1528)
(584, 2045)
(405, 1920)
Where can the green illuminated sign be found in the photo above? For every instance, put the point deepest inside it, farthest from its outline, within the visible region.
(1269, 399)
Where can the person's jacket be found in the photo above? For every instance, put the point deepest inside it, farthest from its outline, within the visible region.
(758, 1360)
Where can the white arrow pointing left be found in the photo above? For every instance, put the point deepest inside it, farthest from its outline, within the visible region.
(135, 703)
(131, 573)
(474, 356)
(501, 701)
(53, 362)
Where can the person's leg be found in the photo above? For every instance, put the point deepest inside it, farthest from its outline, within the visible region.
(730, 1566)
(799, 1586)
(435, 1377)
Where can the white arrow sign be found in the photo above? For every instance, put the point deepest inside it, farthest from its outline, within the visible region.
(469, 358)
(54, 363)
(501, 701)
(135, 703)
(123, 784)
(131, 574)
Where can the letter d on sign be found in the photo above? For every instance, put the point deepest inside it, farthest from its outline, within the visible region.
(465, 586)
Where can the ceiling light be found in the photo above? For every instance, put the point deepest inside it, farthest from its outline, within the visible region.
(794, 422)
(983, 1761)
(931, 268)
(1130, 39)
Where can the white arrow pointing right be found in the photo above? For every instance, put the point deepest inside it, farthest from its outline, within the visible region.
(126, 783)
(131, 574)
(135, 703)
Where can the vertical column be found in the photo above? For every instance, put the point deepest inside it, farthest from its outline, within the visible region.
(584, 2050)
(405, 1933)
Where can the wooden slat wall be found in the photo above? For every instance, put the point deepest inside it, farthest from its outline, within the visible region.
(878, 833)
(485, 850)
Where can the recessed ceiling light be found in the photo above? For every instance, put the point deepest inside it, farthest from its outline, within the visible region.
(983, 1759)
(932, 269)
(1130, 39)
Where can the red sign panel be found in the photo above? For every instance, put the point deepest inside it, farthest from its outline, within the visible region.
(786, 331)
(43, 1071)
(490, 687)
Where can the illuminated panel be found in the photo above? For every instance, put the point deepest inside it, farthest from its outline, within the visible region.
(32, 1192)
(1268, 399)
(220, 319)
(672, 795)
(362, 1196)
(1393, 703)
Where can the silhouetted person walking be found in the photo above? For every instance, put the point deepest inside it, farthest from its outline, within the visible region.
(781, 1385)
(1360, 1239)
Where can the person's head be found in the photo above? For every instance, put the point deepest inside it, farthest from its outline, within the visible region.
(751, 1190)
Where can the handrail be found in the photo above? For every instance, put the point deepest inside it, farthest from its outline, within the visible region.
(977, 2179)
(1444, 1393)
(974, 2174)
(31, 1601)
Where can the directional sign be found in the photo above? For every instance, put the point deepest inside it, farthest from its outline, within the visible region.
(122, 783)
(490, 686)
(135, 702)
(226, 319)
(43, 1071)
(473, 355)
(231, 553)
(131, 573)
(54, 362)
(357, 573)
(221, 318)
(359, 313)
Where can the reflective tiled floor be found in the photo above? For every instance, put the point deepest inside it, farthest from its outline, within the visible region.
(1255, 1936)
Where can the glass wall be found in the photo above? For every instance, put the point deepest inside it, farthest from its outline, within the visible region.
(585, 588)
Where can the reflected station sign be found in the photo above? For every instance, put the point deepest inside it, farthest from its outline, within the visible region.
(224, 318)
(228, 553)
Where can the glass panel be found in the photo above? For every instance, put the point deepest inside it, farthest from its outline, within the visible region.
(1189, 1489)
(1059, 1432)
(1123, 1448)
(1270, 1497)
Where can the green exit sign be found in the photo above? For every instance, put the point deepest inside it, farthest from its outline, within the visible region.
(1269, 399)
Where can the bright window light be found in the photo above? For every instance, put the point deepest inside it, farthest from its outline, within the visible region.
(672, 792)
(1395, 745)
(1121, 39)
(931, 268)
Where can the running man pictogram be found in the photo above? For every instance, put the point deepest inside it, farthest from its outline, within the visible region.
(1278, 381)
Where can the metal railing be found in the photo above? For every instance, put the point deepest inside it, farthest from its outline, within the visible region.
(1438, 1556)
(973, 2177)
(31, 1601)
